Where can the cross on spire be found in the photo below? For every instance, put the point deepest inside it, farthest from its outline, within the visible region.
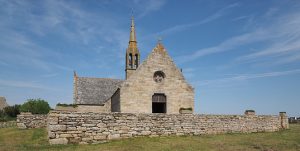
(159, 39)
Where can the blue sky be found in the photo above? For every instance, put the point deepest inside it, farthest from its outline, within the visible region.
(237, 54)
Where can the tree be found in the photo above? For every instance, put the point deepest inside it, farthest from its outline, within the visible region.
(35, 106)
(12, 111)
(1, 113)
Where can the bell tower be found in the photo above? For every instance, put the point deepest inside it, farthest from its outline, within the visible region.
(132, 52)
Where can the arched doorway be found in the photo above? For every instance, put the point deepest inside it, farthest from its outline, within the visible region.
(159, 103)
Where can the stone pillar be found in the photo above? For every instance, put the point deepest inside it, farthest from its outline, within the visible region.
(250, 112)
(284, 120)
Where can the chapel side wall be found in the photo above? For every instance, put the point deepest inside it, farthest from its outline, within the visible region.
(136, 92)
(82, 128)
(105, 108)
(115, 102)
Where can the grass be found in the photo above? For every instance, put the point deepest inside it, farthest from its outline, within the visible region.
(36, 139)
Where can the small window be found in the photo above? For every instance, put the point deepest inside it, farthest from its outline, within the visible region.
(136, 61)
(158, 76)
(130, 60)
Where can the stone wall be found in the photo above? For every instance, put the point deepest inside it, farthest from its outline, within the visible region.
(97, 108)
(82, 128)
(8, 124)
(28, 120)
(66, 108)
(105, 108)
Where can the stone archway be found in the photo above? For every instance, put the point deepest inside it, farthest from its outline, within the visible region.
(159, 103)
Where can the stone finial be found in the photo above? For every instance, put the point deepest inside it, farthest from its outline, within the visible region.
(159, 48)
(249, 112)
(75, 74)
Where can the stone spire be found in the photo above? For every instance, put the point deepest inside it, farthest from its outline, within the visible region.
(132, 52)
(132, 37)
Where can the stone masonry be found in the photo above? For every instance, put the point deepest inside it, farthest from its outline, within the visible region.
(27, 120)
(84, 128)
(137, 91)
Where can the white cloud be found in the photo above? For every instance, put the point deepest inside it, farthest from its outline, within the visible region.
(243, 77)
(279, 37)
(284, 42)
(25, 24)
(148, 6)
(289, 59)
(22, 84)
(50, 75)
(226, 45)
(210, 18)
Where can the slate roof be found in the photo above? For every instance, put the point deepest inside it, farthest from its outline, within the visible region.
(95, 91)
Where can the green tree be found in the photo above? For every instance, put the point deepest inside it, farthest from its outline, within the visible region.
(2, 116)
(12, 111)
(35, 106)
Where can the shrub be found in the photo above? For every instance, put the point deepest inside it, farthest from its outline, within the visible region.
(35, 106)
(2, 116)
(1, 113)
(12, 111)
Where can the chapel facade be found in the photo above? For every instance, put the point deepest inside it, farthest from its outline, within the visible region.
(154, 86)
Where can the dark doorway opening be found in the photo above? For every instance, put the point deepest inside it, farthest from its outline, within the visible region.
(158, 107)
(159, 103)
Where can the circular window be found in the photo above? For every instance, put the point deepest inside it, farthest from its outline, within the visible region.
(158, 76)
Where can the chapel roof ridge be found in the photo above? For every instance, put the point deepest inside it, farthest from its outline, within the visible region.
(99, 78)
(76, 75)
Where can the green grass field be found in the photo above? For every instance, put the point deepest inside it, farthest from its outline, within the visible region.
(36, 139)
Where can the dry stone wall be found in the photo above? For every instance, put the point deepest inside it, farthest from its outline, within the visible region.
(8, 124)
(83, 128)
(28, 120)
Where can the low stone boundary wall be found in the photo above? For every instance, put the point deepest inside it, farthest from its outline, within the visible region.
(28, 120)
(83, 128)
(8, 124)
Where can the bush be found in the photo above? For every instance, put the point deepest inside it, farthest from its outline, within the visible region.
(9, 113)
(1, 113)
(35, 106)
(2, 116)
(12, 111)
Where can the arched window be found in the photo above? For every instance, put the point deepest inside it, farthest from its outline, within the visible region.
(130, 60)
(136, 61)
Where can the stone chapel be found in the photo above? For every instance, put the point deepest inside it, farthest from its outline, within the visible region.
(154, 86)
